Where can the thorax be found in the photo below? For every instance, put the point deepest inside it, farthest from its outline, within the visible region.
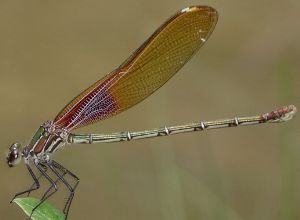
(46, 140)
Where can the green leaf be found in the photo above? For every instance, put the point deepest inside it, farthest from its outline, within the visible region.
(44, 212)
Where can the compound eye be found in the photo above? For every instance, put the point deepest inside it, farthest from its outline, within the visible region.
(15, 146)
(14, 155)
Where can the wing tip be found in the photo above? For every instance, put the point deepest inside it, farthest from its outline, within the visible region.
(201, 8)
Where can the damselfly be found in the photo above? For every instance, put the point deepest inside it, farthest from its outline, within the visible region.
(146, 70)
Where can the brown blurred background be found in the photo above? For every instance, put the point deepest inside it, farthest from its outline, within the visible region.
(50, 51)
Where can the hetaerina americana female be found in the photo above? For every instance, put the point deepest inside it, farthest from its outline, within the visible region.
(157, 60)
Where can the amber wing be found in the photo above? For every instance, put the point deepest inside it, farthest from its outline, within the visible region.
(146, 70)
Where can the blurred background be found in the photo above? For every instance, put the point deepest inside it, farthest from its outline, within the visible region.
(51, 51)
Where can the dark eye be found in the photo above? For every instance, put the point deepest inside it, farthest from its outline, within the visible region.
(14, 155)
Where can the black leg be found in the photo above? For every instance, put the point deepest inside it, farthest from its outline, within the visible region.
(60, 172)
(35, 185)
(46, 194)
(56, 167)
(51, 186)
(38, 178)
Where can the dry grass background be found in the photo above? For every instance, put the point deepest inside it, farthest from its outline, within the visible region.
(50, 51)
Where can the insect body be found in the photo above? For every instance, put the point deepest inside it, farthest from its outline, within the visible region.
(146, 70)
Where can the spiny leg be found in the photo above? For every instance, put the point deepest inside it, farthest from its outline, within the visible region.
(35, 185)
(56, 181)
(46, 194)
(59, 166)
(56, 166)
(38, 178)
